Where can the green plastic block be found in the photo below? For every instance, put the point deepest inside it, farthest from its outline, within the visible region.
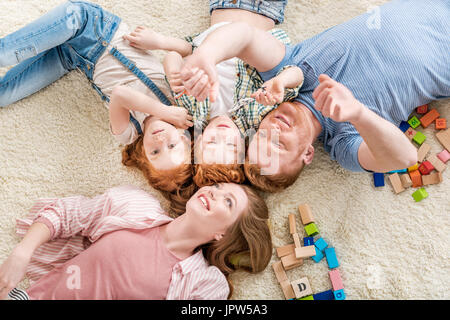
(420, 194)
(306, 298)
(419, 138)
(414, 122)
(311, 229)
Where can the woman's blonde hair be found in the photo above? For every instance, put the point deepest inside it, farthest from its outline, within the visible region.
(248, 240)
(176, 184)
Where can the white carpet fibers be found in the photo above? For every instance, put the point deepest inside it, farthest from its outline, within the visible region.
(56, 143)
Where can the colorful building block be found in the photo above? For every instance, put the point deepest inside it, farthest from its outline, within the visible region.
(305, 214)
(339, 294)
(332, 261)
(433, 178)
(305, 252)
(311, 229)
(416, 178)
(307, 298)
(426, 167)
(326, 295)
(422, 109)
(414, 167)
(404, 126)
(378, 179)
(414, 122)
(318, 257)
(406, 180)
(336, 280)
(441, 124)
(420, 194)
(444, 156)
(436, 163)
(419, 138)
(429, 117)
(301, 287)
(308, 241)
(396, 183)
(444, 138)
(423, 151)
(397, 171)
(410, 133)
(321, 244)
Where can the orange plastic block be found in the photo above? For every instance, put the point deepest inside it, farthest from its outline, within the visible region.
(416, 178)
(441, 123)
(422, 109)
(427, 119)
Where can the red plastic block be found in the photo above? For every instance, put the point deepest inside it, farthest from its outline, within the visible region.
(422, 109)
(427, 119)
(426, 167)
(441, 123)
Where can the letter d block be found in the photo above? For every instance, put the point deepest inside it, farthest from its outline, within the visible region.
(301, 287)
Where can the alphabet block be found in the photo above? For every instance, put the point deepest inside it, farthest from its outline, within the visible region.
(410, 133)
(301, 287)
(429, 117)
(305, 214)
(441, 124)
(339, 294)
(414, 122)
(426, 167)
(422, 109)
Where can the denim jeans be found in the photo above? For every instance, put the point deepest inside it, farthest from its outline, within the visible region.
(71, 36)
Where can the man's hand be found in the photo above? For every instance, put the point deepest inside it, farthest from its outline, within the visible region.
(199, 76)
(271, 93)
(336, 101)
(175, 82)
(12, 271)
(145, 39)
(177, 116)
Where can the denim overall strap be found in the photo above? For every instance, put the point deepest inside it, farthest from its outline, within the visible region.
(146, 80)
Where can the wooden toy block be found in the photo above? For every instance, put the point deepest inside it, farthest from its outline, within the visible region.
(406, 181)
(444, 156)
(305, 214)
(419, 138)
(339, 294)
(433, 178)
(429, 117)
(436, 163)
(396, 183)
(288, 291)
(444, 138)
(308, 241)
(311, 229)
(290, 261)
(422, 152)
(420, 194)
(321, 244)
(301, 287)
(292, 227)
(307, 298)
(414, 122)
(332, 261)
(426, 167)
(441, 124)
(279, 272)
(305, 252)
(410, 133)
(336, 280)
(296, 240)
(413, 168)
(422, 109)
(404, 126)
(378, 179)
(285, 250)
(318, 257)
(326, 295)
(416, 178)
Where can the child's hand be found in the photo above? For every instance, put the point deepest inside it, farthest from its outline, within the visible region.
(336, 101)
(271, 93)
(177, 116)
(176, 84)
(145, 39)
(12, 272)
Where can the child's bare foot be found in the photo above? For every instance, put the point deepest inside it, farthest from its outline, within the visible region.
(145, 39)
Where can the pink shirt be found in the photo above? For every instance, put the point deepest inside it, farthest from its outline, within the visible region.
(123, 264)
(78, 222)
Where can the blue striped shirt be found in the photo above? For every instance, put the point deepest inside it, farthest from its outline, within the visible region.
(393, 59)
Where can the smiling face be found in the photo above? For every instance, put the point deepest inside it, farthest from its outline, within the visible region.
(166, 147)
(217, 207)
(220, 143)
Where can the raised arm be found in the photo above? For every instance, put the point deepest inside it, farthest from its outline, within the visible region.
(385, 147)
(256, 47)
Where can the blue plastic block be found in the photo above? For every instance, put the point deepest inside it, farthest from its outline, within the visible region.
(398, 171)
(308, 241)
(339, 294)
(404, 126)
(378, 179)
(326, 295)
(332, 261)
(319, 256)
(321, 244)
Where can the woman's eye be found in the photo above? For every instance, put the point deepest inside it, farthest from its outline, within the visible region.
(229, 203)
(154, 152)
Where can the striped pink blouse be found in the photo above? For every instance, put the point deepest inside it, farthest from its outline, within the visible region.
(75, 222)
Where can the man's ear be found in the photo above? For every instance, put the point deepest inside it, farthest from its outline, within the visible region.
(308, 154)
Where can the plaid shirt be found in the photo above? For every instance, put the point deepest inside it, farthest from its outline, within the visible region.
(247, 114)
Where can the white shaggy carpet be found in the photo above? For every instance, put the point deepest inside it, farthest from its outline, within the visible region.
(56, 143)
